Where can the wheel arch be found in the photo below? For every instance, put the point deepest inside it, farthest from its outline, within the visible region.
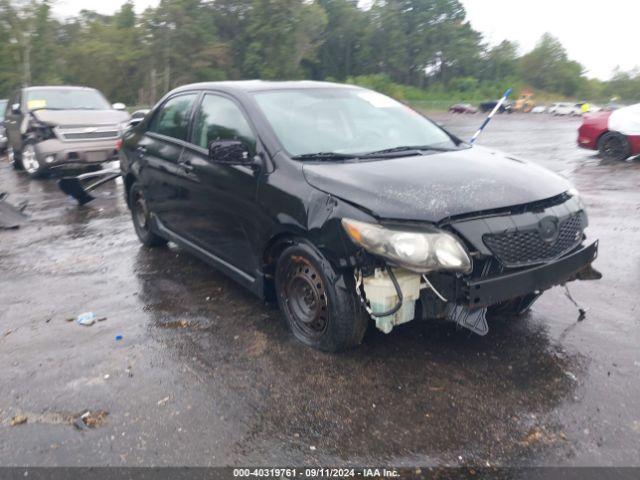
(129, 180)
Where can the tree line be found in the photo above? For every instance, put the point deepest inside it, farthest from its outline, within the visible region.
(415, 49)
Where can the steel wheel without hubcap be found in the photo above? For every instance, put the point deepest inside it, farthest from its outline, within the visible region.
(306, 299)
(29, 160)
(141, 212)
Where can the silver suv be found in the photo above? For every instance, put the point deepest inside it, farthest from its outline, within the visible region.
(55, 126)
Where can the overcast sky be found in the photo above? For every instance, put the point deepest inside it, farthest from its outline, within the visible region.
(599, 35)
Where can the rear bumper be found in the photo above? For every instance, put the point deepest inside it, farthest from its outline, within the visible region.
(54, 152)
(491, 291)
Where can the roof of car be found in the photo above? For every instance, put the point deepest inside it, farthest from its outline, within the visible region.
(59, 87)
(263, 85)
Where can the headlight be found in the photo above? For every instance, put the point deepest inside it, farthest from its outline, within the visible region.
(574, 193)
(415, 251)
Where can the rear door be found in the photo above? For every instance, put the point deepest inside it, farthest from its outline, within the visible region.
(160, 150)
(221, 215)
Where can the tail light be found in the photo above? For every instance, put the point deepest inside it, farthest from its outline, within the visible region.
(119, 145)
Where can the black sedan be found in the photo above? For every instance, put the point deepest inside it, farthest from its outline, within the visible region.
(347, 206)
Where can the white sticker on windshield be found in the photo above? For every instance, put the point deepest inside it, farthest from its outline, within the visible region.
(378, 100)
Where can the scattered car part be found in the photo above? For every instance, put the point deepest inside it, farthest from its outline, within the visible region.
(11, 217)
(304, 192)
(75, 186)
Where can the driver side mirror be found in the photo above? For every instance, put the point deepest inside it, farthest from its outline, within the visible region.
(15, 109)
(119, 106)
(230, 152)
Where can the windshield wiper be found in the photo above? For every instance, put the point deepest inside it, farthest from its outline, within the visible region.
(325, 156)
(408, 150)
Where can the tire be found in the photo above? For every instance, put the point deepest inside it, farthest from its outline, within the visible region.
(614, 146)
(141, 217)
(319, 305)
(30, 162)
(15, 158)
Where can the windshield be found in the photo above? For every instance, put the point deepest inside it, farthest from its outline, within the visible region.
(3, 107)
(346, 121)
(66, 99)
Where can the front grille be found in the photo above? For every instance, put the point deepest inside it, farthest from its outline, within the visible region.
(90, 136)
(75, 134)
(522, 248)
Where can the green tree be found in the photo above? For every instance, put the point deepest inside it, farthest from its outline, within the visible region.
(548, 67)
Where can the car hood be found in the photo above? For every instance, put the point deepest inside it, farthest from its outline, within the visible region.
(434, 187)
(72, 118)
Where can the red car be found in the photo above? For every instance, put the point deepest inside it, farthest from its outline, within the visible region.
(599, 131)
(463, 108)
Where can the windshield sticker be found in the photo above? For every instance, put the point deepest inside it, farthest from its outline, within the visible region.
(33, 104)
(378, 100)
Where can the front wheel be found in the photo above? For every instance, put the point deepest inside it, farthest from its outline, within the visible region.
(141, 217)
(30, 161)
(614, 146)
(320, 305)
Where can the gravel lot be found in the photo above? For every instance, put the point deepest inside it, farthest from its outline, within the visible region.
(207, 375)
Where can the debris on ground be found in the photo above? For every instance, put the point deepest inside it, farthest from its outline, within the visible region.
(11, 217)
(90, 419)
(119, 338)
(86, 319)
(582, 313)
(18, 420)
(164, 401)
(7, 333)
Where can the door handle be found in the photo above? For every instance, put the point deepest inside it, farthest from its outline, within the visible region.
(141, 151)
(188, 166)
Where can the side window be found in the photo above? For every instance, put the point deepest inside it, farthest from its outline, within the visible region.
(173, 118)
(219, 118)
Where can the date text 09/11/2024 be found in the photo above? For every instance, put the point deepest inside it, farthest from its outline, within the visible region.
(316, 473)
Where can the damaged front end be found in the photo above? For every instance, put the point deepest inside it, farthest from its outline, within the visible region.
(499, 262)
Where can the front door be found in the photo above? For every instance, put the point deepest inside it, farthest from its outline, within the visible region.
(221, 215)
(160, 150)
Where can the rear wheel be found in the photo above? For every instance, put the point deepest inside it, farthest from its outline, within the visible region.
(320, 305)
(614, 146)
(142, 218)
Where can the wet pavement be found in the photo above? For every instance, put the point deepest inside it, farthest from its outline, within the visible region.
(207, 375)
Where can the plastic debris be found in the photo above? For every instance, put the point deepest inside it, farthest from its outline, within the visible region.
(163, 401)
(86, 319)
(90, 419)
(119, 338)
(18, 420)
